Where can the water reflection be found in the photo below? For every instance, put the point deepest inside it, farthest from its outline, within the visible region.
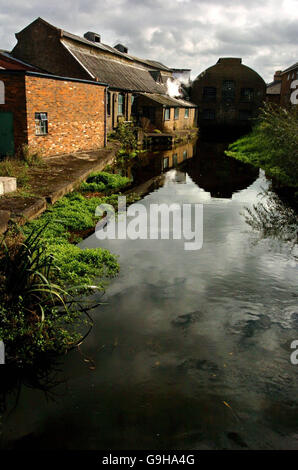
(190, 349)
(272, 218)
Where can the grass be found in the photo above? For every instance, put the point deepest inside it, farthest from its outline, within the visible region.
(44, 275)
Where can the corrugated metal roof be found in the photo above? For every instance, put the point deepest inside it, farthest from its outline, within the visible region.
(117, 74)
(167, 100)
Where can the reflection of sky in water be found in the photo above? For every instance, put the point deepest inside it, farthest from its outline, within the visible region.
(180, 334)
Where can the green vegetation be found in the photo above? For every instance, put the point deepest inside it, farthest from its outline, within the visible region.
(19, 165)
(37, 316)
(104, 181)
(44, 274)
(272, 145)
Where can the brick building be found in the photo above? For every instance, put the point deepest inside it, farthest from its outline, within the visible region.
(273, 89)
(53, 115)
(289, 86)
(62, 53)
(228, 94)
(165, 113)
(8, 62)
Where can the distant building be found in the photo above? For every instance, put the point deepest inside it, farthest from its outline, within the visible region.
(284, 88)
(229, 94)
(165, 113)
(273, 89)
(289, 86)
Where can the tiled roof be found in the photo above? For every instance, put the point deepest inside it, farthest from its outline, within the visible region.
(166, 100)
(118, 74)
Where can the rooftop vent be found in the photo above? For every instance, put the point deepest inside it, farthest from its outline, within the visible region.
(121, 48)
(93, 37)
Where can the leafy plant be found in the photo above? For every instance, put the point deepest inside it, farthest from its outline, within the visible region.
(37, 315)
(272, 145)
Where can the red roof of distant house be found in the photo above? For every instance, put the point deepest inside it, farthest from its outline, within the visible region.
(10, 63)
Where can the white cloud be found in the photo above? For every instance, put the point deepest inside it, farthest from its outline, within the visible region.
(179, 33)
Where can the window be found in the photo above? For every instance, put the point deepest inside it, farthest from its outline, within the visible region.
(184, 154)
(109, 103)
(121, 104)
(166, 163)
(228, 90)
(41, 123)
(176, 114)
(209, 114)
(247, 94)
(244, 115)
(167, 114)
(2, 93)
(186, 112)
(175, 159)
(133, 105)
(209, 93)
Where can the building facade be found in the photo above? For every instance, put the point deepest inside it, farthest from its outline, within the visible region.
(229, 94)
(165, 113)
(62, 53)
(289, 86)
(52, 115)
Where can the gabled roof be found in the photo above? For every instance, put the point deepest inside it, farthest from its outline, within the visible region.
(292, 67)
(166, 100)
(105, 47)
(118, 74)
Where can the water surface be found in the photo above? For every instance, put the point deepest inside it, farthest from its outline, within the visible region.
(191, 349)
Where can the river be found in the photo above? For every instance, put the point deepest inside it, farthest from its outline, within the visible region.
(190, 349)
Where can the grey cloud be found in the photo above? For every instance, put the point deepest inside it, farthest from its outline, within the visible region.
(179, 33)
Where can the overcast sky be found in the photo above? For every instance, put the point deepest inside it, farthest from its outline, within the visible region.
(180, 33)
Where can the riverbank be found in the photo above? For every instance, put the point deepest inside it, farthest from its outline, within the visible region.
(52, 179)
(272, 145)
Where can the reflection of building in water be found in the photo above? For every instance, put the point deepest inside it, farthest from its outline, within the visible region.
(218, 174)
(175, 156)
(151, 164)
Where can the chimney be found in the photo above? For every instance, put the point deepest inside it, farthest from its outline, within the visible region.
(93, 37)
(121, 48)
(277, 76)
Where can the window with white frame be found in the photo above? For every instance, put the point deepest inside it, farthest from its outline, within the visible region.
(41, 123)
(167, 114)
(121, 100)
(176, 113)
(186, 112)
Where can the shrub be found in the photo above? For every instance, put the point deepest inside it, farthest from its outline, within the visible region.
(272, 145)
(37, 316)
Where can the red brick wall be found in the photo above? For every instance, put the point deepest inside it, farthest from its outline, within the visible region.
(15, 102)
(286, 89)
(75, 115)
